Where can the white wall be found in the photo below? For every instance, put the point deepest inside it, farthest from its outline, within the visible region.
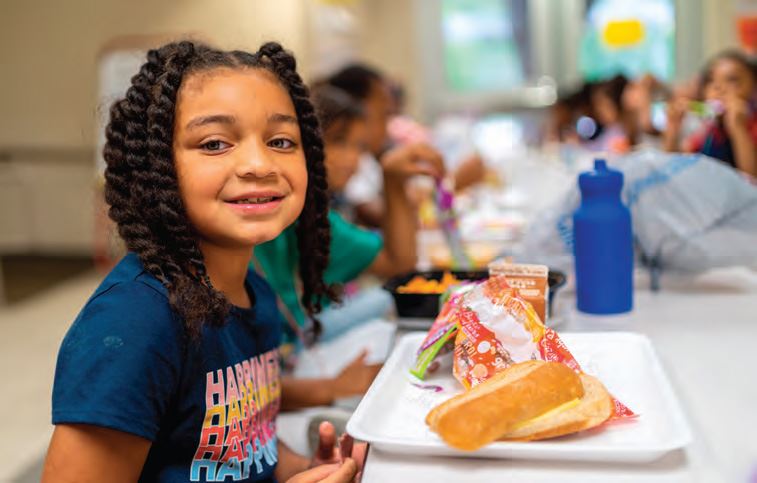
(49, 49)
(390, 41)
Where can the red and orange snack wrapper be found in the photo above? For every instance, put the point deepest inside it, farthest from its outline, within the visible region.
(495, 328)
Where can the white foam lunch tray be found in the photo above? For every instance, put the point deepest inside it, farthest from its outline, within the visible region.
(391, 415)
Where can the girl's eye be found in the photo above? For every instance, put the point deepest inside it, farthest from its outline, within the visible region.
(214, 145)
(281, 143)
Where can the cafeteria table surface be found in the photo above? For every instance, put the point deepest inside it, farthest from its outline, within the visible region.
(704, 330)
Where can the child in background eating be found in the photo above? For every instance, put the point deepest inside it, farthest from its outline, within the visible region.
(353, 250)
(728, 88)
(170, 373)
(373, 92)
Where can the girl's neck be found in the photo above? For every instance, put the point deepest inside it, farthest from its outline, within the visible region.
(227, 269)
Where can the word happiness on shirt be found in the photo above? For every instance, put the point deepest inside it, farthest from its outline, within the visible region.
(239, 429)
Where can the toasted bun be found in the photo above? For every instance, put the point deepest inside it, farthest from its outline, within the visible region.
(496, 407)
(593, 409)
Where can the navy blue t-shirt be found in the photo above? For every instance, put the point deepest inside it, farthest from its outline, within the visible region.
(209, 406)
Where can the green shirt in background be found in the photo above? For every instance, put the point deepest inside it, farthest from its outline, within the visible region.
(353, 249)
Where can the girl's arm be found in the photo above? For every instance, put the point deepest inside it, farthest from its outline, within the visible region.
(675, 112)
(353, 380)
(83, 453)
(744, 152)
(306, 393)
(400, 220)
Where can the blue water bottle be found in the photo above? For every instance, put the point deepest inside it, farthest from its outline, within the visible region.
(603, 244)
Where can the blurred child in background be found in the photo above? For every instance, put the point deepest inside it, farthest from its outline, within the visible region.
(354, 250)
(639, 101)
(612, 119)
(368, 87)
(728, 89)
(593, 117)
(387, 126)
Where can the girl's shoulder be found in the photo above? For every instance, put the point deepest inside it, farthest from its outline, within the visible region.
(129, 300)
(130, 273)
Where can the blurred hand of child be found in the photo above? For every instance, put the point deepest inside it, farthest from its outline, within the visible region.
(409, 160)
(332, 473)
(470, 172)
(736, 113)
(675, 113)
(329, 453)
(356, 378)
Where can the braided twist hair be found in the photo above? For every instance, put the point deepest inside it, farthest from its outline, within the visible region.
(143, 192)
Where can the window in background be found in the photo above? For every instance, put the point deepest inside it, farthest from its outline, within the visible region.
(485, 45)
(630, 37)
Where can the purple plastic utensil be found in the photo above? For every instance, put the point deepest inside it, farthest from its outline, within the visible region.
(445, 200)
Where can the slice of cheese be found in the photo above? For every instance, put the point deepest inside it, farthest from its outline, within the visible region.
(562, 407)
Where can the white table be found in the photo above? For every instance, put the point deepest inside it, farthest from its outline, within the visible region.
(705, 332)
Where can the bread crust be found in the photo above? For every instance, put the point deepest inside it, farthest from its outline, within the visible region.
(495, 407)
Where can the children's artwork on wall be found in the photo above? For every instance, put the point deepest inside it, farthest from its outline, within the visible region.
(628, 37)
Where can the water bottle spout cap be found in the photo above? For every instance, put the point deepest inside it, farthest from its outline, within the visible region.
(601, 179)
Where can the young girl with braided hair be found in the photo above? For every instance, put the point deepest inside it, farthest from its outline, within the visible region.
(171, 371)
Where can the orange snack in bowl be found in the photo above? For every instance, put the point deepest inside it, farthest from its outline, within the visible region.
(421, 285)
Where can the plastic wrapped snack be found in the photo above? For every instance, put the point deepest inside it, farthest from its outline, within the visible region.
(441, 335)
(494, 327)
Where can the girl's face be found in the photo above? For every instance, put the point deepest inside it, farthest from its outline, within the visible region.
(239, 157)
(344, 145)
(729, 77)
(604, 107)
(378, 109)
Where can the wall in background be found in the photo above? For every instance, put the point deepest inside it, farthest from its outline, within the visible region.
(49, 49)
(389, 40)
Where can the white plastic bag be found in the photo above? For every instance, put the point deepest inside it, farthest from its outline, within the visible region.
(689, 212)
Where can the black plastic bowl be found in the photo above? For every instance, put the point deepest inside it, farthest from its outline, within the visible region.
(426, 306)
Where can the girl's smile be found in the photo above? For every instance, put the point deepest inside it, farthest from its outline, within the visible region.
(257, 203)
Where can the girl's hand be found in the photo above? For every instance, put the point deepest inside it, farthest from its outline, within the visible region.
(332, 473)
(328, 454)
(471, 171)
(356, 378)
(675, 112)
(405, 161)
(736, 114)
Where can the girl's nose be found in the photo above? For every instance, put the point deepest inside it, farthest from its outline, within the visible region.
(255, 162)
